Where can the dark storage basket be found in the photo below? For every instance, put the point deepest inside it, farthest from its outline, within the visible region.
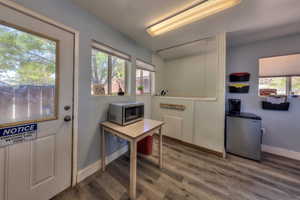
(280, 107)
(239, 77)
(244, 89)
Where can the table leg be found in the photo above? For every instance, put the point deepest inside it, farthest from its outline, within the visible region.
(103, 149)
(133, 158)
(160, 150)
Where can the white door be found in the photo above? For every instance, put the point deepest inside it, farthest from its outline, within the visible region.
(36, 85)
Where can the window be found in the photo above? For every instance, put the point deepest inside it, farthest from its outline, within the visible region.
(144, 78)
(109, 69)
(99, 72)
(27, 76)
(143, 81)
(279, 75)
(118, 74)
(295, 83)
(273, 86)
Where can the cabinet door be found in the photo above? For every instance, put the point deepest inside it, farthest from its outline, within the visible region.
(173, 126)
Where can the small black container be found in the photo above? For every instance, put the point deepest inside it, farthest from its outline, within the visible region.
(233, 89)
(280, 107)
(234, 106)
(239, 77)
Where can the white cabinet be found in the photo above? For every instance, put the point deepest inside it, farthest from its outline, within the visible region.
(173, 126)
(178, 124)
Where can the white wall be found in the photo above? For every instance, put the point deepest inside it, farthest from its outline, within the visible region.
(282, 128)
(185, 77)
(202, 122)
(92, 109)
(193, 76)
(159, 64)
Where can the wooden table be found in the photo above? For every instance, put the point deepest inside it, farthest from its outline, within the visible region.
(133, 133)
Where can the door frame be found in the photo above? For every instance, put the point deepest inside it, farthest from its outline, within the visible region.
(36, 15)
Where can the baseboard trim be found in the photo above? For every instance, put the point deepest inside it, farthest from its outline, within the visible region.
(281, 152)
(206, 150)
(94, 167)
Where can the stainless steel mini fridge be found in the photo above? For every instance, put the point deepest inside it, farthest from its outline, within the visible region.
(243, 135)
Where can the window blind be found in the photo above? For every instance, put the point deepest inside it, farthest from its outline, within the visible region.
(109, 50)
(288, 65)
(143, 65)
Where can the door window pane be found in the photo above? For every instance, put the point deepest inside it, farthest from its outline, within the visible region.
(27, 76)
(272, 85)
(118, 74)
(295, 85)
(99, 72)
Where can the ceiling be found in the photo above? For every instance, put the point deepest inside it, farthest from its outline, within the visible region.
(250, 21)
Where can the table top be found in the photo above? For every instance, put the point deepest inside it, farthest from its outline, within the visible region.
(134, 130)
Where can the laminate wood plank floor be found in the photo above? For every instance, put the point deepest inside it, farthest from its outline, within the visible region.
(193, 175)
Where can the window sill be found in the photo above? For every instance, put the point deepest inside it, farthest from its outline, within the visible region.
(112, 95)
(147, 94)
(289, 96)
(189, 98)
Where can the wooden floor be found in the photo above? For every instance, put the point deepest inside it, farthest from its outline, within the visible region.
(194, 175)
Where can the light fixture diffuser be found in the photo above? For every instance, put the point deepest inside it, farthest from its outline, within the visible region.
(190, 15)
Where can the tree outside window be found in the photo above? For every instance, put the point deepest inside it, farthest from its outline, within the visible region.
(108, 73)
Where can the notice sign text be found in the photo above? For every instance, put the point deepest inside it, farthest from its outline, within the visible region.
(16, 134)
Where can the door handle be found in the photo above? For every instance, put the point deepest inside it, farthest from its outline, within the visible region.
(67, 118)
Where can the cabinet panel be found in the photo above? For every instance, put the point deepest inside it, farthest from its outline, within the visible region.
(173, 126)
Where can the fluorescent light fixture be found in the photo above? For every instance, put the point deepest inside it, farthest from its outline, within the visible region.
(190, 15)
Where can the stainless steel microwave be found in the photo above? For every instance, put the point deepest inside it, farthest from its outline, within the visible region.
(125, 113)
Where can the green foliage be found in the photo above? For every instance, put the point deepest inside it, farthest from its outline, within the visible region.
(100, 63)
(26, 58)
(99, 67)
(140, 88)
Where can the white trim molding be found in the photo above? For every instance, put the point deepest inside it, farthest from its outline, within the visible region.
(281, 152)
(94, 167)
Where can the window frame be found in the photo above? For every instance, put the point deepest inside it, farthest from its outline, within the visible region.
(142, 83)
(288, 88)
(109, 68)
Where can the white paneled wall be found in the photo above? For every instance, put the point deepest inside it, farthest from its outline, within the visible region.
(173, 127)
(202, 123)
(186, 131)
